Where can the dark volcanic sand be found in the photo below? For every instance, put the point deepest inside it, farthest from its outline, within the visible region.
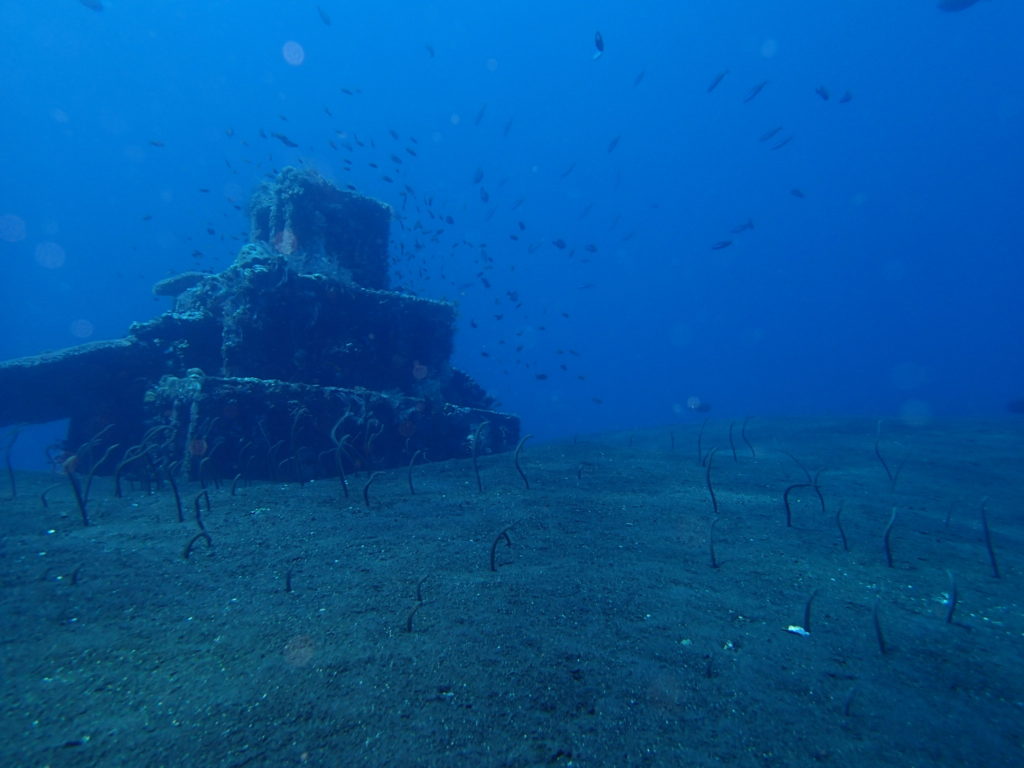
(605, 638)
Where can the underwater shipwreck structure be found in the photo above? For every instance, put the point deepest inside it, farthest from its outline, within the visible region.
(296, 361)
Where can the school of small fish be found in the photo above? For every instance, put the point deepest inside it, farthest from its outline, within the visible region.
(425, 221)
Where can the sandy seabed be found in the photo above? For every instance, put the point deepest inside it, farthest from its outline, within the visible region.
(319, 631)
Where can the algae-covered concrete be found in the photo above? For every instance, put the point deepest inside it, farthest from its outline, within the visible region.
(301, 314)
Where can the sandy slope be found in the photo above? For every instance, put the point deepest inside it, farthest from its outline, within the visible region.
(604, 637)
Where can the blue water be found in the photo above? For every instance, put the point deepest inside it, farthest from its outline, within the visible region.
(890, 287)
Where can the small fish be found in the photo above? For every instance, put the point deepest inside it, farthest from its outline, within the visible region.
(430, 49)
(480, 115)
(717, 79)
(155, 143)
(92, 5)
(323, 16)
(599, 44)
(846, 98)
(753, 92)
(478, 176)
(748, 224)
(327, 111)
(721, 244)
(639, 78)
(613, 143)
(559, 243)
(284, 139)
(508, 126)
(484, 196)
(393, 133)
(822, 91)
(797, 193)
(770, 134)
(782, 143)
(564, 174)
